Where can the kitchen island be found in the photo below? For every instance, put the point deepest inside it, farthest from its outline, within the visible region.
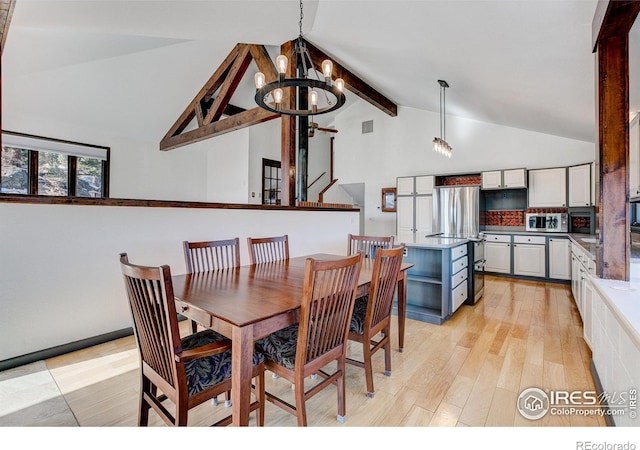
(437, 282)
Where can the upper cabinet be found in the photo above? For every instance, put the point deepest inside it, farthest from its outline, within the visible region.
(580, 185)
(514, 178)
(414, 204)
(548, 188)
(634, 157)
(424, 185)
(405, 185)
(421, 185)
(492, 180)
(504, 179)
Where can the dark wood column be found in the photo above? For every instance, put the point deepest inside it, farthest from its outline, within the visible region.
(288, 139)
(612, 23)
(612, 204)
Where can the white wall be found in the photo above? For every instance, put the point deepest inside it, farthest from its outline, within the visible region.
(60, 279)
(401, 146)
(319, 162)
(264, 142)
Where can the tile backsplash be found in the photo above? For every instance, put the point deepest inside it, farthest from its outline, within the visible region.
(503, 218)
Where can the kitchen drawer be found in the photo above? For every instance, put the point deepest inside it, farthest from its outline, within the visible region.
(498, 238)
(459, 264)
(459, 277)
(192, 313)
(458, 251)
(458, 296)
(541, 240)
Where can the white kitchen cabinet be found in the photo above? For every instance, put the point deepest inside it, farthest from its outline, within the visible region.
(548, 188)
(575, 275)
(529, 256)
(580, 185)
(497, 253)
(405, 185)
(504, 179)
(424, 184)
(587, 310)
(514, 178)
(614, 350)
(404, 214)
(424, 214)
(492, 179)
(559, 258)
(634, 157)
(414, 211)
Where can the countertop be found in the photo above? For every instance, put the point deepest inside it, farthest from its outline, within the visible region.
(419, 240)
(624, 299)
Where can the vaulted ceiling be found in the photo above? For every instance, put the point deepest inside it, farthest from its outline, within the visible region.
(136, 65)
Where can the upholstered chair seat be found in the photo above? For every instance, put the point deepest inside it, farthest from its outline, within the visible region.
(359, 312)
(210, 370)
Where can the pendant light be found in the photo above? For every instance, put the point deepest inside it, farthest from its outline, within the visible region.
(324, 94)
(440, 144)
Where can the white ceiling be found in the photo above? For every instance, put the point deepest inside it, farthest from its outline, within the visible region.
(135, 65)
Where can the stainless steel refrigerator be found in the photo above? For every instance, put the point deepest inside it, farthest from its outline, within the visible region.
(456, 213)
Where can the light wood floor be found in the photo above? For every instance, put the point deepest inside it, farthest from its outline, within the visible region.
(466, 372)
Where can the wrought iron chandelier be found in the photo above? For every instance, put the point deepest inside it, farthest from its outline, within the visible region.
(440, 144)
(324, 94)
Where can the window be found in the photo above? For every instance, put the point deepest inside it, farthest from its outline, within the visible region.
(271, 182)
(41, 166)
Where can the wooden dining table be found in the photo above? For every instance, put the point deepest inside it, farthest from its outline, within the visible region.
(249, 302)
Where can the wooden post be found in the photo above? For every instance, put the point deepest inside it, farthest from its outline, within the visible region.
(288, 139)
(612, 224)
(611, 25)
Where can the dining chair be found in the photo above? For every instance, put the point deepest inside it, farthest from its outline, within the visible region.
(320, 337)
(371, 317)
(211, 255)
(187, 371)
(268, 249)
(368, 244)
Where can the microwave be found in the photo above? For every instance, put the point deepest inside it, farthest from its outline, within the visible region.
(547, 222)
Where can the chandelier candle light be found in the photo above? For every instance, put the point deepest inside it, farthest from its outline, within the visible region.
(440, 144)
(270, 95)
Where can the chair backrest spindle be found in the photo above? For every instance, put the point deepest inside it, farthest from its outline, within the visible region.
(368, 244)
(211, 255)
(268, 249)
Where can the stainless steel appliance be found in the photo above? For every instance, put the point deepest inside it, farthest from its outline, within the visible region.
(547, 222)
(456, 211)
(456, 214)
(476, 289)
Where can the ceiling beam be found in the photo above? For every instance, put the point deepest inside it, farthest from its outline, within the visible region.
(212, 101)
(353, 82)
(613, 18)
(238, 121)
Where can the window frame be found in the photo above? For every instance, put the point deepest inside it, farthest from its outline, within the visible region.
(271, 163)
(73, 150)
